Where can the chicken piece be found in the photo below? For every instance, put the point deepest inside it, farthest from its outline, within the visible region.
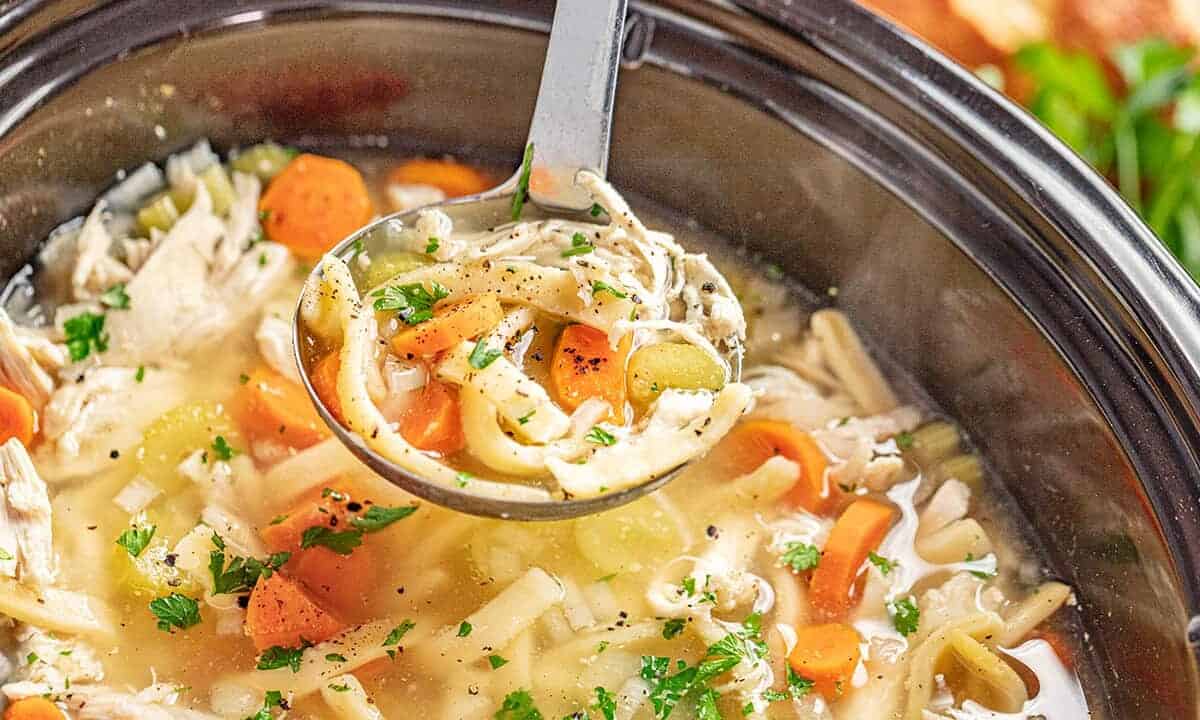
(241, 228)
(27, 359)
(96, 269)
(274, 339)
(25, 523)
(100, 702)
(57, 663)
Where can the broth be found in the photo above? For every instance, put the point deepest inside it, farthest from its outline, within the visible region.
(700, 598)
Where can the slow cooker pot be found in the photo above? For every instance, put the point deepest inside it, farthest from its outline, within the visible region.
(978, 254)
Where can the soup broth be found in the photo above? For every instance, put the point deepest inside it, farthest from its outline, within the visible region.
(182, 537)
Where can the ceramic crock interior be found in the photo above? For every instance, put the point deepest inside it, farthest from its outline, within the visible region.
(784, 163)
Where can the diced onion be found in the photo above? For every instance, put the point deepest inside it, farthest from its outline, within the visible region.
(137, 495)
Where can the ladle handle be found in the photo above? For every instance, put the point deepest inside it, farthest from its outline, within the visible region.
(572, 122)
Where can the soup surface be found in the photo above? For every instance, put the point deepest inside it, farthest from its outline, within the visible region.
(180, 537)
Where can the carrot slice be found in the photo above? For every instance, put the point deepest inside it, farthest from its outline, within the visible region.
(271, 407)
(433, 421)
(33, 708)
(585, 366)
(313, 204)
(752, 443)
(16, 417)
(826, 655)
(328, 505)
(856, 533)
(452, 178)
(451, 324)
(281, 612)
(338, 581)
(323, 376)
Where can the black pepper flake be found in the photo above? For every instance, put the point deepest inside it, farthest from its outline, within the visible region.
(712, 531)
(353, 506)
(170, 559)
(114, 454)
(709, 287)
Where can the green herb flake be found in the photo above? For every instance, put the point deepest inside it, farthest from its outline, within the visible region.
(522, 192)
(462, 478)
(524, 419)
(115, 297)
(606, 703)
(673, 627)
(432, 246)
(135, 539)
(600, 286)
(243, 378)
(496, 662)
(85, 334)
(342, 543)
(518, 705)
(397, 633)
(600, 436)
(377, 518)
(905, 616)
(481, 356)
(222, 449)
(464, 629)
(800, 556)
(335, 658)
(904, 440)
(175, 611)
(276, 657)
(602, 646)
(596, 210)
(579, 246)
(31, 658)
(885, 566)
(339, 688)
(798, 686)
(412, 303)
(140, 375)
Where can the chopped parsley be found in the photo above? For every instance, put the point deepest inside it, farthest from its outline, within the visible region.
(342, 543)
(175, 611)
(140, 375)
(276, 657)
(606, 703)
(905, 616)
(377, 518)
(522, 191)
(667, 690)
(31, 658)
(904, 440)
(798, 686)
(482, 356)
(243, 378)
(464, 629)
(673, 627)
(885, 566)
(462, 478)
(271, 699)
(579, 246)
(241, 574)
(115, 297)
(496, 662)
(981, 574)
(397, 634)
(600, 286)
(518, 705)
(432, 246)
(689, 585)
(602, 647)
(412, 302)
(600, 436)
(339, 688)
(135, 539)
(85, 333)
(335, 657)
(222, 449)
(800, 556)
(526, 417)
(596, 210)
(278, 519)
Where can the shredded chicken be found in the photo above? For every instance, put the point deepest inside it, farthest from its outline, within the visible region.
(55, 662)
(27, 361)
(101, 702)
(25, 523)
(274, 339)
(96, 269)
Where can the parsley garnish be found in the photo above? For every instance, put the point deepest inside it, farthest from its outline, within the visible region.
(673, 627)
(272, 699)
(335, 657)
(276, 657)
(600, 436)
(800, 556)
(518, 705)
(689, 585)
(462, 478)
(140, 375)
(342, 543)
(398, 632)
(904, 440)
(885, 566)
(496, 661)
(222, 448)
(602, 647)
(606, 703)
(432, 246)
(596, 210)
(798, 686)
(481, 356)
(135, 539)
(522, 191)
(412, 302)
(526, 417)
(579, 246)
(175, 611)
(377, 518)
(981, 574)
(464, 629)
(339, 688)
(905, 616)
(115, 297)
(85, 333)
(242, 573)
(599, 287)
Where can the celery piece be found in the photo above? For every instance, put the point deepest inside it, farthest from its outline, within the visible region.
(266, 160)
(160, 213)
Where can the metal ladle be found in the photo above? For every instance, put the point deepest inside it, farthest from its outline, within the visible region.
(570, 131)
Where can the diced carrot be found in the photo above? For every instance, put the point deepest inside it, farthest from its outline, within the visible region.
(452, 178)
(585, 366)
(33, 708)
(752, 443)
(859, 530)
(281, 612)
(327, 505)
(313, 204)
(337, 581)
(271, 407)
(323, 376)
(433, 422)
(16, 417)
(451, 324)
(826, 655)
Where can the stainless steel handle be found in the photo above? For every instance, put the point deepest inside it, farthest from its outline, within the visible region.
(572, 122)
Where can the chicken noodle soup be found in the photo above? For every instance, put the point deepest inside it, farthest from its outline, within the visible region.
(180, 537)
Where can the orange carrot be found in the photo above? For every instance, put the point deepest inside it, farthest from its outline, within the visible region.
(313, 204)
(856, 533)
(16, 417)
(33, 708)
(271, 407)
(323, 376)
(433, 422)
(585, 366)
(752, 443)
(826, 655)
(283, 613)
(451, 324)
(327, 505)
(452, 178)
(338, 581)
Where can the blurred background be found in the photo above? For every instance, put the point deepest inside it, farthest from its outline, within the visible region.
(1116, 79)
